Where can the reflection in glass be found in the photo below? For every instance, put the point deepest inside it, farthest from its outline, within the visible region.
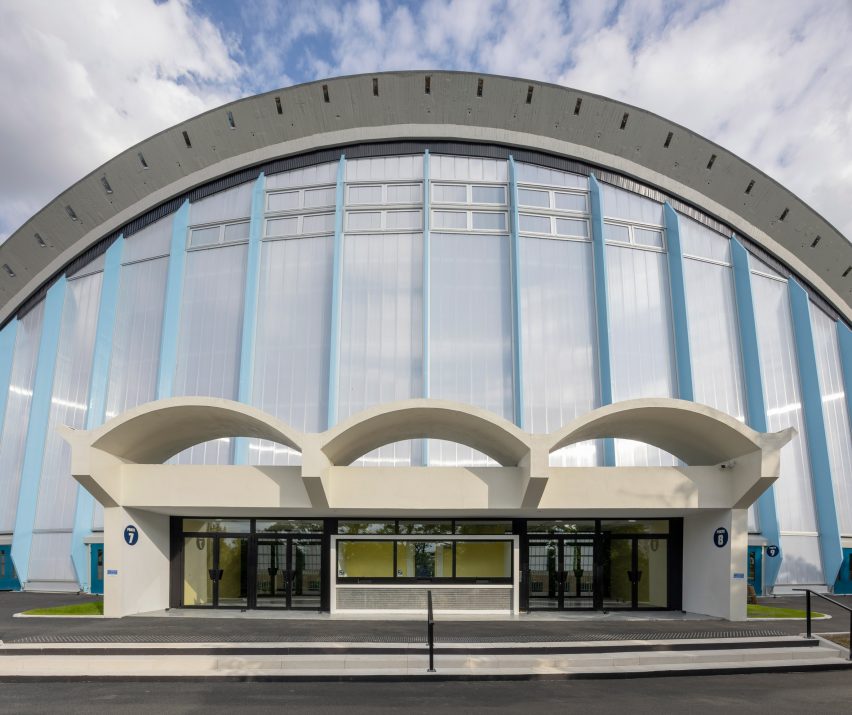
(365, 559)
(233, 570)
(483, 527)
(636, 526)
(271, 575)
(618, 586)
(306, 573)
(424, 559)
(559, 526)
(425, 527)
(218, 525)
(302, 526)
(366, 527)
(197, 567)
(652, 560)
(483, 559)
(543, 586)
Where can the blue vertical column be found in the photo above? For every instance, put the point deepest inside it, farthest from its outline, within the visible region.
(427, 284)
(601, 309)
(37, 428)
(96, 410)
(683, 358)
(7, 354)
(515, 271)
(336, 296)
(258, 206)
(844, 343)
(755, 406)
(174, 294)
(829, 526)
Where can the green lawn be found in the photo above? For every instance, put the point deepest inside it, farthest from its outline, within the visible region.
(757, 611)
(93, 608)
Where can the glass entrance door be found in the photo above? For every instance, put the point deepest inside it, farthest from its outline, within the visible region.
(215, 571)
(561, 573)
(635, 572)
(288, 572)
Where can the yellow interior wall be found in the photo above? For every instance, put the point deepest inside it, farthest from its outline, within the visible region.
(482, 559)
(197, 587)
(365, 559)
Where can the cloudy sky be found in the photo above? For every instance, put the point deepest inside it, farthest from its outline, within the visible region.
(771, 80)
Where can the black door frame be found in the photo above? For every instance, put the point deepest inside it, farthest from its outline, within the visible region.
(289, 570)
(561, 572)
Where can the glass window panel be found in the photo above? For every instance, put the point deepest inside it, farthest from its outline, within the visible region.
(282, 226)
(284, 201)
(397, 220)
(318, 223)
(366, 527)
(365, 559)
(570, 202)
(646, 237)
(532, 174)
(483, 527)
(531, 197)
(483, 559)
(489, 194)
(449, 219)
(407, 526)
(572, 227)
(197, 564)
(320, 197)
(534, 224)
(616, 232)
(364, 221)
(218, 526)
(403, 194)
(489, 221)
(289, 526)
(237, 232)
(204, 236)
(449, 193)
(558, 526)
(365, 194)
(635, 526)
(424, 559)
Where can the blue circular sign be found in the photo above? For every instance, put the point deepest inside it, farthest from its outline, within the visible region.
(720, 537)
(772, 551)
(131, 535)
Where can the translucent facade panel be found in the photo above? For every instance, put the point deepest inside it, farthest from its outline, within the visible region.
(782, 398)
(364, 221)
(570, 202)
(559, 340)
(640, 338)
(471, 330)
(316, 198)
(283, 201)
(835, 414)
(135, 358)
(801, 563)
(282, 226)
(385, 168)
(572, 227)
(365, 194)
(753, 523)
(208, 349)
(463, 168)
(224, 206)
(488, 221)
(618, 203)
(309, 176)
(318, 223)
(534, 224)
(702, 242)
(57, 491)
(400, 220)
(616, 232)
(151, 241)
(17, 417)
(717, 378)
(200, 237)
(532, 174)
(534, 197)
(449, 193)
(381, 330)
(454, 220)
(488, 194)
(50, 557)
(94, 266)
(647, 237)
(292, 343)
(403, 194)
(233, 232)
(755, 264)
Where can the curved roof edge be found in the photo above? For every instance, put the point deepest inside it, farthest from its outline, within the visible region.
(207, 147)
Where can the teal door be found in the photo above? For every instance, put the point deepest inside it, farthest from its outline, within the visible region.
(97, 559)
(8, 577)
(755, 569)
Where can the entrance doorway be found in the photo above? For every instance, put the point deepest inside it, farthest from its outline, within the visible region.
(635, 572)
(96, 557)
(288, 573)
(562, 573)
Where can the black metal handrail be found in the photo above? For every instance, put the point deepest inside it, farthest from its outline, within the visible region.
(808, 593)
(430, 631)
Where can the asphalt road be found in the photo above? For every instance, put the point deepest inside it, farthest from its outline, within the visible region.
(777, 693)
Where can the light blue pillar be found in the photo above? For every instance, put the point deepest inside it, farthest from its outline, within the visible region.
(37, 429)
(601, 309)
(336, 297)
(174, 294)
(258, 198)
(427, 283)
(844, 342)
(829, 526)
(7, 354)
(515, 266)
(98, 386)
(755, 406)
(674, 254)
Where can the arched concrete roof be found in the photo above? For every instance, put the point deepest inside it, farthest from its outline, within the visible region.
(452, 110)
(155, 431)
(697, 434)
(437, 419)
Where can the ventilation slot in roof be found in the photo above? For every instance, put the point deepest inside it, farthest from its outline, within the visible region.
(428, 85)
(480, 83)
(41, 242)
(106, 185)
(231, 122)
(624, 120)
(142, 160)
(712, 161)
(816, 241)
(278, 107)
(375, 86)
(784, 214)
(325, 94)
(529, 94)
(750, 186)
(186, 140)
(577, 106)
(70, 213)
(11, 273)
(668, 141)
(847, 271)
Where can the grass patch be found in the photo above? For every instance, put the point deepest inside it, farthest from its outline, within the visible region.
(92, 608)
(758, 611)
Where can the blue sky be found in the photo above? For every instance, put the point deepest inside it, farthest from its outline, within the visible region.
(85, 79)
